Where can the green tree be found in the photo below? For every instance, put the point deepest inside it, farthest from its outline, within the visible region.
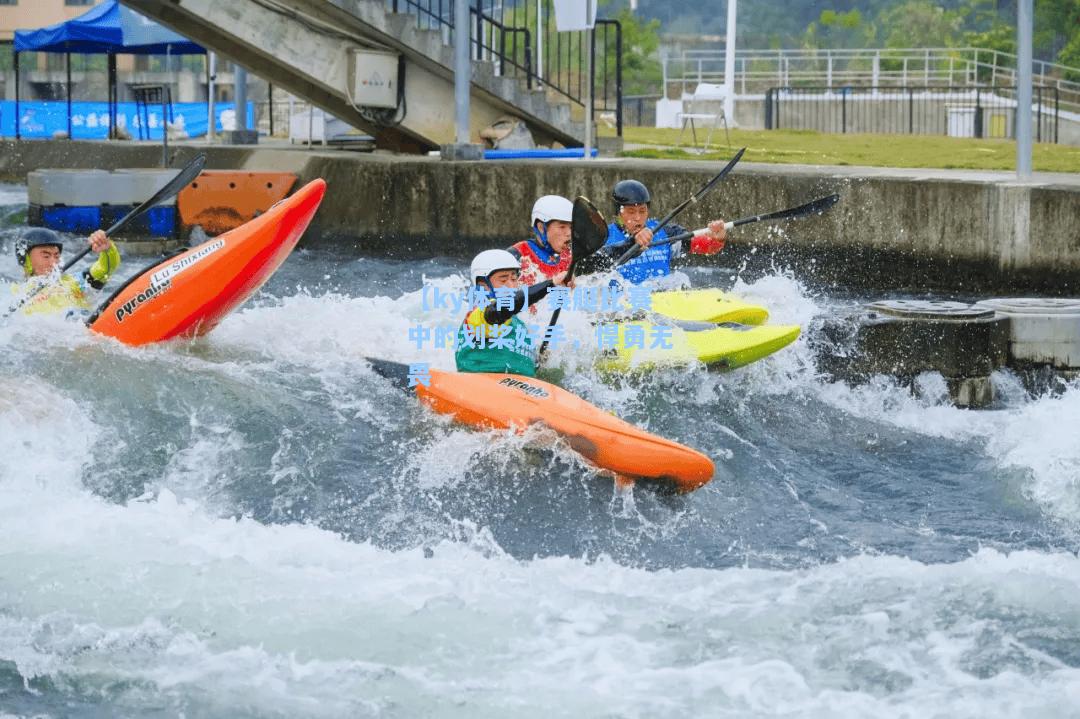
(642, 73)
(920, 23)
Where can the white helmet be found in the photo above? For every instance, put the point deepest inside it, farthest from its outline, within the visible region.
(552, 207)
(490, 261)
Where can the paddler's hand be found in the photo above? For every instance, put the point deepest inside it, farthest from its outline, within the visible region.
(559, 280)
(643, 238)
(99, 241)
(718, 230)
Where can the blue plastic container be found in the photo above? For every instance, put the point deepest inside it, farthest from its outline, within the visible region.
(538, 154)
(76, 220)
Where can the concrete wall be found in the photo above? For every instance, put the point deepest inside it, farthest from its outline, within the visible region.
(968, 232)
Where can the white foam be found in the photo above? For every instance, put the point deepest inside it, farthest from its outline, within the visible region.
(226, 615)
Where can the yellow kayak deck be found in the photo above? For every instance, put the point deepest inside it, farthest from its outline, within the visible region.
(723, 347)
(707, 305)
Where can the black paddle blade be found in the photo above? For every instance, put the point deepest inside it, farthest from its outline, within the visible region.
(819, 205)
(810, 208)
(589, 229)
(396, 372)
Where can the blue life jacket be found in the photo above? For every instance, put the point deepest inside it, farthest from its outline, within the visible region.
(653, 262)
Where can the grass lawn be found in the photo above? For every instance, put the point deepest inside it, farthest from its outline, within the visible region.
(806, 147)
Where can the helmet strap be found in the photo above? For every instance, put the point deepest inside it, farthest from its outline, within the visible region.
(542, 236)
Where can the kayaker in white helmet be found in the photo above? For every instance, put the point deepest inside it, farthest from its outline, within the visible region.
(496, 340)
(38, 253)
(547, 252)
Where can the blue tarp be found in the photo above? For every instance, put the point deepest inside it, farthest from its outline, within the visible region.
(90, 120)
(106, 28)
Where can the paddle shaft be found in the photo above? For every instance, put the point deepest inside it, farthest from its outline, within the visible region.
(558, 310)
(819, 205)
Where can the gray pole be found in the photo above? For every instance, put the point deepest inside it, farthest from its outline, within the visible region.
(462, 71)
(211, 81)
(729, 63)
(590, 34)
(240, 93)
(1023, 89)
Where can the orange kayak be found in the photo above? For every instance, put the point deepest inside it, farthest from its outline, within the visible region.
(189, 294)
(502, 401)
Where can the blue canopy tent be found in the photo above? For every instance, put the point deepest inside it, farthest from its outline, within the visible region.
(108, 28)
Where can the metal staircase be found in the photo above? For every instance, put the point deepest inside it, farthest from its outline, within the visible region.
(305, 46)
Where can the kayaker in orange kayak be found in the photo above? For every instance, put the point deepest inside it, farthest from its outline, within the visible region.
(492, 338)
(38, 253)
(547, 252)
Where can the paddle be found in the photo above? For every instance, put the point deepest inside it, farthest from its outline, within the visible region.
(810, 208)
(183, 178)
(588, 234)
(637, 249)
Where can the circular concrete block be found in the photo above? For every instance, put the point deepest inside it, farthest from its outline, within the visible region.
(907, 337)
(1043, 331)
(930, 310)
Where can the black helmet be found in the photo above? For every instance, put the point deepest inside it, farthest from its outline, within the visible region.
(35, 237)
(629, 192)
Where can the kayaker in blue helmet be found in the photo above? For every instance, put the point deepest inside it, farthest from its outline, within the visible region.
(493, 338)
(38, 252)
(633, 224)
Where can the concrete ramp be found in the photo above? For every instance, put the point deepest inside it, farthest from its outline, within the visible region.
(319, 49)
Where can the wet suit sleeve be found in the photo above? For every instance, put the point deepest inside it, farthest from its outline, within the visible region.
(107, 263)
(535, 293)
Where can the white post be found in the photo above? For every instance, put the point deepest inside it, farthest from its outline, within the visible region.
(729, 63)
(1023, 90)
(590, 33)
(540, 39)
(211, 130)
(462, 71)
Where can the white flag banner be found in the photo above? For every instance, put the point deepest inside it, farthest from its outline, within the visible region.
(575, 15)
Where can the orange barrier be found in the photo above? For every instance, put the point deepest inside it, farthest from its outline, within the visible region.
(220, 200)
(187, 295)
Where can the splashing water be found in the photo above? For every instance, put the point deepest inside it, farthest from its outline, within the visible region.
(254, 524)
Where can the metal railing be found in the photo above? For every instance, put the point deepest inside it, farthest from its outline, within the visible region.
(640, 110)
(961, 111)
(757, 70)
(521, 40)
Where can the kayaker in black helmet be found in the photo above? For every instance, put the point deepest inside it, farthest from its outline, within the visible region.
(38, 252)
(631, 200)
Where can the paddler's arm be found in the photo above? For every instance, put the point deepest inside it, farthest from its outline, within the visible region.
(107, 262)
(535, 293)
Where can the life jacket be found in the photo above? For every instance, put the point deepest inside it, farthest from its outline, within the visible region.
(538, 263)
(60, 296)
(653, 262)
(69, 293)
(519, 357)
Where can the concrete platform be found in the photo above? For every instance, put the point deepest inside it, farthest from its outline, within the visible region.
(967, 232)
